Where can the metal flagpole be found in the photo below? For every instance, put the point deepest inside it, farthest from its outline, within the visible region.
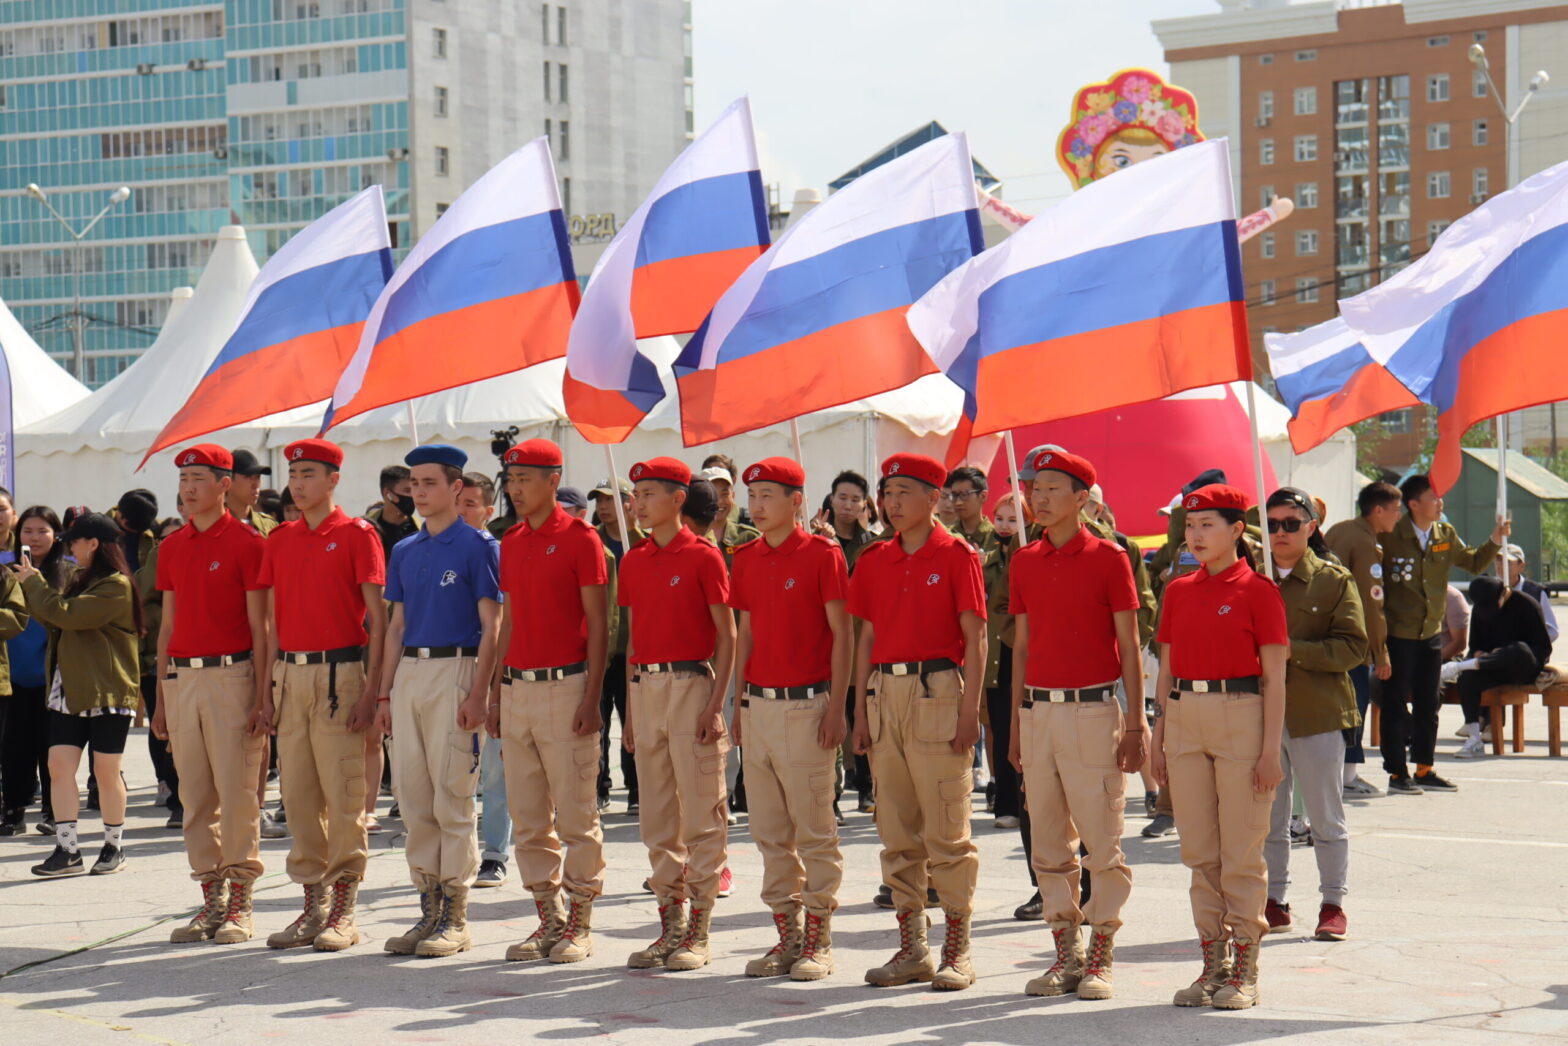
(413, 426)
(1012, 470)
(794, 434)
(1502, 492)
(1257, 469)
(615, 496)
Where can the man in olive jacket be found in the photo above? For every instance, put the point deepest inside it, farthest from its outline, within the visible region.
(1417, 557)
(13, 622)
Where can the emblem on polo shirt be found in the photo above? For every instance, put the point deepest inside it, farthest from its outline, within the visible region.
(331, 545)
(933, 579)
(675, 580)
(789, 583)
(214, 565)
(1225, 609)
(550, 551)
(449, 578)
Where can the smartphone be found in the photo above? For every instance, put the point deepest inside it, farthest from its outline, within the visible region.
(27, 556)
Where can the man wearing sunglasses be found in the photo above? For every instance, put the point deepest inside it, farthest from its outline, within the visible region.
(1328, 638)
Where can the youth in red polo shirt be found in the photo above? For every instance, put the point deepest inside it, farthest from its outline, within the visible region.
(1071, 595)
(209, 571)
(543, 573)
(785, 590)
(1215, 623)
(315, 577)
(670, 591)
(914, 601)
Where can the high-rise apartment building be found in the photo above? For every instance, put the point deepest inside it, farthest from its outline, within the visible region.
(271, 112)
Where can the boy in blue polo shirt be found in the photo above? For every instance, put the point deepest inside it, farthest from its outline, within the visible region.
(444, 584)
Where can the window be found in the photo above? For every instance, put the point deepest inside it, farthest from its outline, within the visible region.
(1265, 59)
(1266, 151)
(1480, 182)
(1479, 36)
(441, 209)
(438, 42)
(1437, 41)
(1306, 195)
(560, 26)
(1266, 105)
(1396, 421)
(443, 160)
(544, 23)
(547, 81)
(1478, 133)
(1478, 86)
(1266, 245)
(1306, 101)
(566, 195)
(1306, 56)
(1306, 290)
(1306, 148)
(562, 93)
(1437, 136)
(1266, 195)
(1266, 292)
(1437, 87)
(1439, 186)
(440, 102)
(1306, 243)
(565, 152)
(1435, 229)
(549, 131)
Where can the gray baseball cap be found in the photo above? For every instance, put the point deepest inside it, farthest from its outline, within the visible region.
(1026, 468)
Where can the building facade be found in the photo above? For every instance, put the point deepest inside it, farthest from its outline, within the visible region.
(271, 112)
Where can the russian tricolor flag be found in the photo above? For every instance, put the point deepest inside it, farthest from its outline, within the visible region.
(1128, 290)
(488, 290)
(299, 325)
(818, 320)
(1330, 381)
(1476, 327)
(704, 222)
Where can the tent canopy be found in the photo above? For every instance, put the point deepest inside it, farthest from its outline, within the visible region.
(39, 386)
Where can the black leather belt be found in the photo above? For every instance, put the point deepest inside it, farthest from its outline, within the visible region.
(1083, 695)
(221, 661)
(342, 655)
(675, 666)
(428, 653)
(1239, 685)
(543, 675)
(916, 668)
(786, 693)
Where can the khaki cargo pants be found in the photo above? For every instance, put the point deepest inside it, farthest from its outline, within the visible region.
(435, 770)
(219, 765)
(321, 770)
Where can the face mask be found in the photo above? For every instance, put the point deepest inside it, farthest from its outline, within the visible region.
(405, 504)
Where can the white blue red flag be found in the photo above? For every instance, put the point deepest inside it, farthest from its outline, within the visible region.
(1129, 290)
(704, 222)
(300, 323)
(818, 320)
(488, 290)
(1329, 381)
(1476, 326)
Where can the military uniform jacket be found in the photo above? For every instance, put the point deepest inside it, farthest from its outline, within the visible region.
(993, 568)
(1415, 580)
(1354, 544)
(1328, 638)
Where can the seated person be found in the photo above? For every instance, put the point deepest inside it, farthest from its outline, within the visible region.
(1508, 646)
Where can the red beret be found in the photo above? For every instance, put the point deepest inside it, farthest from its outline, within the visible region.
(209, 454)
(776, 470)
(1061, 461)
(662, 468)
(1215, 495)
(540, 453)
(321, 451)
(915, 466)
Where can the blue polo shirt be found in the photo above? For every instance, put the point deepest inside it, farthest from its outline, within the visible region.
(440, 579)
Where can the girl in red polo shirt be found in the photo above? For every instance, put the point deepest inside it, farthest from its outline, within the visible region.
(1223, 645)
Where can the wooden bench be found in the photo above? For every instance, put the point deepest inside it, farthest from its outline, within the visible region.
(1554, 698)
(1496, 700)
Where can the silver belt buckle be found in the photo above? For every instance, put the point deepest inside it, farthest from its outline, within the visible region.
(1057, 696)
(301, 659)
(769, 693)
(198, 662)
(1200, 686)
(528, 675)
(901, 669)
(424, 653)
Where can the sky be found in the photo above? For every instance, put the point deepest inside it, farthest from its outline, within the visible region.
(834, 81)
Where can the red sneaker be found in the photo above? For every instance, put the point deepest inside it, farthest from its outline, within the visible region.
(726, 882)
(1278, 916)
(1331, 923)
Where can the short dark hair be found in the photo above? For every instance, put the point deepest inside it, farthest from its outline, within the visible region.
(452, 473)
(1375, 495)
(724, 461)
(479, 480)
(270, 502)
(1414, 487)
(853, 477)
(702, 502)
(392, 475)
(975, 477)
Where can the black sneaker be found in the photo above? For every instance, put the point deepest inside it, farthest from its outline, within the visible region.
(1400, 784)
(1163, 824)
(176, 817)
(868, 805)
(395, 811)
(1032, 910)
(884, 897)
(14, 824)
(92, 798)
(631, 806)
(1150, 802)
(604, 803)
(110, 860)
(838, 816)
(1432, 783)
(61, 862)
(46, 826)
(491, 873)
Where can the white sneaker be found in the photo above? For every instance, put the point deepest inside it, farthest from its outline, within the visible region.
(1450, 671)
(1471, 749)
(1359, 789)
(982, 780)
(1463, 732)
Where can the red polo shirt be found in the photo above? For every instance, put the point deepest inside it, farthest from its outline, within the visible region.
(670, 591)
(1215, 623)
(209, 571)
(315, 577)
(785, 589)
(543, 573)
(1071, 595)
(914, 601)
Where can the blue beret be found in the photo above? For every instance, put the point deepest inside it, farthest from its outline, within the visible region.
(436, 454)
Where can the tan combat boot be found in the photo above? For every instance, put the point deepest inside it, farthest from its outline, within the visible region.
(429, 915)
(692, 952)
(451, 933)
(1240, 990)
(781, 957)
(576, 942)
(956, 971)
(1066, 972)
(1216, 971)
(1096, 982)
(537, 945)
(913, 960)
(205, 923)
(816, 947)
(341, 931)
(672, 927)
(237, 925)
(303, 930)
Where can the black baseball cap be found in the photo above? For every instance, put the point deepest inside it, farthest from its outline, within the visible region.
(570, 496)
(92, 525)
(245, 464)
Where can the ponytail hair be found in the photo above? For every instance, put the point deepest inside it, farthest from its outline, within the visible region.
(1243, 550)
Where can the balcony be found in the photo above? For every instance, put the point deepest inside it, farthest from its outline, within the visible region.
(1393, 109)
(1351, 257)
(1392, 206)
(1350, 114)
(1393, 158)
(1394, 253)
(1351, 210)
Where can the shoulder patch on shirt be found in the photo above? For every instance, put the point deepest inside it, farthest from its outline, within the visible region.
(363, 524)
(1442, 546)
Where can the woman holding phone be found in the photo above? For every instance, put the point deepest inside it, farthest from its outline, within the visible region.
(92, 667)
(24, 752)
(1221, 692)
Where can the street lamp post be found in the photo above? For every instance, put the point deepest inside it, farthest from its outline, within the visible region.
(78, 327)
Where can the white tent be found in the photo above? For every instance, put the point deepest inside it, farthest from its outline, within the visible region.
(39, 386)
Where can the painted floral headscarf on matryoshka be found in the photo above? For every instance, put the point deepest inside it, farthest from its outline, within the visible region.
(1134, 117)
